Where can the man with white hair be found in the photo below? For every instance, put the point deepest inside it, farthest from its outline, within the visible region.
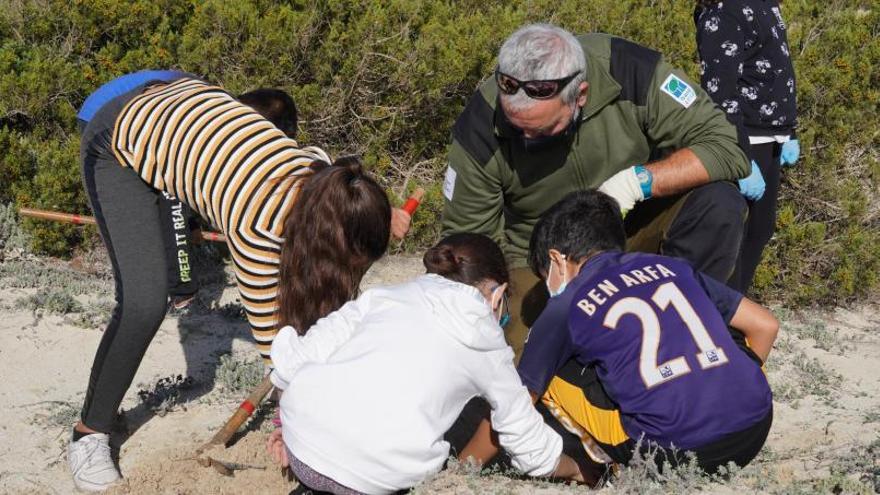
(565, 113)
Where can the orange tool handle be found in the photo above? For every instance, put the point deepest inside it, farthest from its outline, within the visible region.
(413, 201)
(57, 216)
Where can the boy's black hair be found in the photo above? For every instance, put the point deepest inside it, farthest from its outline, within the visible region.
(276, 106)
(578, 226)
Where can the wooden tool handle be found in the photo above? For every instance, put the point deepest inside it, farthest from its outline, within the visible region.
(204, 235)
(241, 414)
(57, 216)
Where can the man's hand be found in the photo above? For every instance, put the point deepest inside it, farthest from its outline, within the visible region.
(625, 188)
(791, 151)
(752, 187)
(276, 448)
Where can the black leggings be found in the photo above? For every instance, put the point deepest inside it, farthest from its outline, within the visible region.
(762, 217)
(128, 217)
(177, 220)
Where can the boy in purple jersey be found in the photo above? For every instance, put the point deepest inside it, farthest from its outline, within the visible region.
(635, 346)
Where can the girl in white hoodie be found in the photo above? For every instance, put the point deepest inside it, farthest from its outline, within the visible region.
(371, 389)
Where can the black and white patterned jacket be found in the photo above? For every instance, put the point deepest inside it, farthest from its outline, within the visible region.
(746, 66)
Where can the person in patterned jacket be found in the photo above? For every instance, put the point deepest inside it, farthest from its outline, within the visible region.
(746, 69)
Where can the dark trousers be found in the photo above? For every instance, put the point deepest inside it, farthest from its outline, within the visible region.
(128, 218)
(703, 226)
(175, 217)
(176, 232)
(762, 217)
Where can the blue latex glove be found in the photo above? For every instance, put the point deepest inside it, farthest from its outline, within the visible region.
(752, 187)
(791, 150)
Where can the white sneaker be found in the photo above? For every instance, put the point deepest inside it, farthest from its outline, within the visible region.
(90, 462)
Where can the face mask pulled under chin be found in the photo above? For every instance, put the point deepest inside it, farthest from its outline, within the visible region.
(543, 142)
(559, 290)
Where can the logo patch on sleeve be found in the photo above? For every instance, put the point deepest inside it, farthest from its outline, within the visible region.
(679, 90)
(449, 183)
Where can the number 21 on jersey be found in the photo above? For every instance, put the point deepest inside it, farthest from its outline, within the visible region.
(653, 374)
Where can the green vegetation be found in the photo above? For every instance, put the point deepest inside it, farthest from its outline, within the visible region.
(854, 470)
(795, 376)
(386, 79)
(238, 376)
(12, 238)
(52, 301)
(56, 413)
(92, 315)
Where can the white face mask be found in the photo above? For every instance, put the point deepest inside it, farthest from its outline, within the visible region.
(561, 288)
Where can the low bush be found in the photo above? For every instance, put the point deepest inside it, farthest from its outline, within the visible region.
(386, 80)
(238, 376)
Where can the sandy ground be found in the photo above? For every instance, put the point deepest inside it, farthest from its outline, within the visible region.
(825, 372)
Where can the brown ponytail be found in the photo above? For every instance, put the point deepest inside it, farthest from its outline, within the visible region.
(467, 258)
(339, 226)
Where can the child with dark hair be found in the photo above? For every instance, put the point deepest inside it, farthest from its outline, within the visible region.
(636, 347)
(276, 106)
(402, 362)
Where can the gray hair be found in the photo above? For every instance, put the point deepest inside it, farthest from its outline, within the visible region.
(541, 51)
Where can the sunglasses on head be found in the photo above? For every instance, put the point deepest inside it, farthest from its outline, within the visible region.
(537, 90)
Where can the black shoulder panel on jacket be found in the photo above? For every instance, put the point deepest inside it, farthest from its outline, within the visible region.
(632, 66)
(475, 129)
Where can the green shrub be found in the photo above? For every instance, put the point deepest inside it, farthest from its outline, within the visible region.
(54, 301)
(12, 237)
(237, 375)
(386, 80)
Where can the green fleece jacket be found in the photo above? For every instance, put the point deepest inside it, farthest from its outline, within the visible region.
(639, 109)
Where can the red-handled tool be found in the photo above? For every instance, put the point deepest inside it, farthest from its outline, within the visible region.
(224, 434)
(413, 201)
(57, 216)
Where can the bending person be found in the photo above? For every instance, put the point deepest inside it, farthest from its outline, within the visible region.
(566, 113)
(634, 349)
(402, 362)
(274, 104)
(198, 143)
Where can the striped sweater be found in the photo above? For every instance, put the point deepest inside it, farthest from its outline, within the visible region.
(199, 144)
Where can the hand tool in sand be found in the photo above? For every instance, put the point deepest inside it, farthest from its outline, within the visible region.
(244, 411)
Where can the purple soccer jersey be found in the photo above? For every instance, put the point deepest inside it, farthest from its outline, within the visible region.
(657, 333)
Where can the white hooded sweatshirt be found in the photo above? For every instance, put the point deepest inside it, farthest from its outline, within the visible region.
(372, 388)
